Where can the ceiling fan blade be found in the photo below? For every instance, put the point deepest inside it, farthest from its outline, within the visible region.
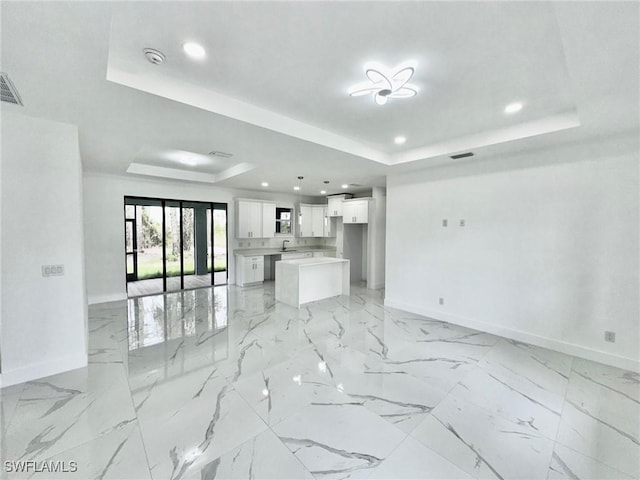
(401, 77)
(404, 92)
(378, 78)
(359, 90)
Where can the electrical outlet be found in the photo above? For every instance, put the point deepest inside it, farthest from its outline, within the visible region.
(444, 222)
(52, 270)
(240, 244)
(462, 222)
(263, 244)
(248, 244)
(610, 337)
(441, 301)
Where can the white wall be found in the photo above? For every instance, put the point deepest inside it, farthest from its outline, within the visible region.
(104, 224)
(377, 237)
(549, 254)
(43, 329)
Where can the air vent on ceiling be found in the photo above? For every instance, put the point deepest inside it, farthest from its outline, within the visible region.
(9, 92)
(355, 185)
(215, 153)
(461, 155)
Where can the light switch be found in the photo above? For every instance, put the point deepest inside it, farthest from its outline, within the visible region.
(52, 270)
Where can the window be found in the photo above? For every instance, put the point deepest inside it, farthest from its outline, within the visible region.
(283, 220)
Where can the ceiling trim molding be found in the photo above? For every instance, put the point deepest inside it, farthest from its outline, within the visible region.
(188, 175)
(550, 124)
(214, 102)
(209, 100)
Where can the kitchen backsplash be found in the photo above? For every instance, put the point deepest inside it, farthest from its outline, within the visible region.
(276, 242)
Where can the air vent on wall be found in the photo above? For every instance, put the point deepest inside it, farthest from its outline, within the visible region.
(215, 153)
(9, 92)
(461, 155)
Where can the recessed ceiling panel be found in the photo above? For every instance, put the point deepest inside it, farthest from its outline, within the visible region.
(185, 165)
(288, 66)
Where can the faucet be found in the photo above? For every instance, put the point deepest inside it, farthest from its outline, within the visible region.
(283, 244)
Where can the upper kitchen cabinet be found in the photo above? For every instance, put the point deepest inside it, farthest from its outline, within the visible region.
(306, 221)
(355, 211)
(315, 222)
(329, 230)
(256, 219)
(334, 206)
(268, 219)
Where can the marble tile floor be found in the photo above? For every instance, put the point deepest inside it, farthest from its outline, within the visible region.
(224, 382)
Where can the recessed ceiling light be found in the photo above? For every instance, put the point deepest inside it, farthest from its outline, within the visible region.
(400, 140)
(193, 49)
(322, 192)
(513, 107)
(296, 188)
(192, 162)
(264, 184)
(345, 185)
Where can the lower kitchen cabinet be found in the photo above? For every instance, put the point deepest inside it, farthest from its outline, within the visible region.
(249, 270)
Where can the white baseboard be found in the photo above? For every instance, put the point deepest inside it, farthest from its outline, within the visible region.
(114, 297)
(43, 369)
(522, 336)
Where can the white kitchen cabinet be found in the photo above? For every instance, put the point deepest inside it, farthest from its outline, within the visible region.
(306, 226)
(317, 220)
(355, 211)
(329, 225)
(334, 204)
(314, 221)
(268, 220)
(256, 219)
(249, 270)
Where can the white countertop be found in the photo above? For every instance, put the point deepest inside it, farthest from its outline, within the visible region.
(305, 262)
(249, 252)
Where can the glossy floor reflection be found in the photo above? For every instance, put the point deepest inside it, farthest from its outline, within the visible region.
(224, 382)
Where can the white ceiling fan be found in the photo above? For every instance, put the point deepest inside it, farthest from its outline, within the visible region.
(384, 84)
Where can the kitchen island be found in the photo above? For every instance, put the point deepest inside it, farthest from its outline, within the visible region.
(254, 265)
(304, 280)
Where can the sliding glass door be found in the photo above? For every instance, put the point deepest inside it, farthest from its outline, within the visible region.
(173, 245)
(217, 243)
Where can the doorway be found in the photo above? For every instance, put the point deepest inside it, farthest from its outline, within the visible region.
(173, 245)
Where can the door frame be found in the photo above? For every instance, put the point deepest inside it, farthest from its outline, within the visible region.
(131, 277)
(136, 200)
